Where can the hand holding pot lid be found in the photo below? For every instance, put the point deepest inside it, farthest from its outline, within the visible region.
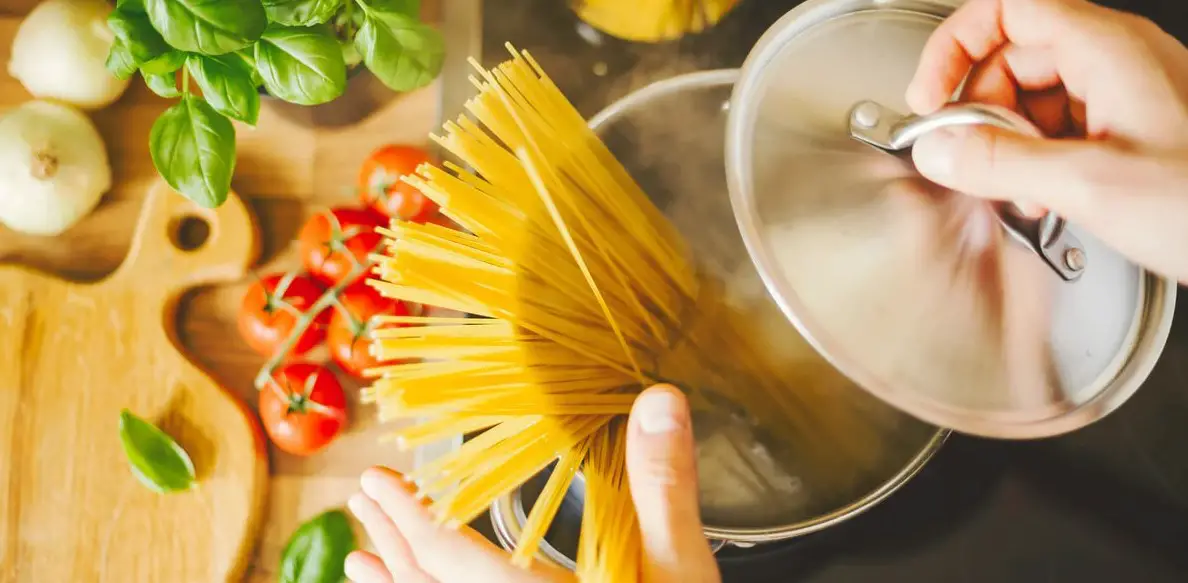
(965, 313)
(1123, 104)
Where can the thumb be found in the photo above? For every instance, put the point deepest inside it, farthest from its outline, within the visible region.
(662, 473)
(990, 162)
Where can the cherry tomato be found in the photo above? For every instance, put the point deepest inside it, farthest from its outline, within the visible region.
(268, 314)
(349, 335)
(335, 241)
(381, 187)
(304, 409)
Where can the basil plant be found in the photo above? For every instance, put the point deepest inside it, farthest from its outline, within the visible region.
(296, 50)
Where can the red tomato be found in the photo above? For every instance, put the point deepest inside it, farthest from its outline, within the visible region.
(381, 187)
(349, 336)
(334, 241)
(268, 315)
(304, 409)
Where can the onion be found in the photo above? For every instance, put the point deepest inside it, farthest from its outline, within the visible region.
(60, 50)
(53, 167)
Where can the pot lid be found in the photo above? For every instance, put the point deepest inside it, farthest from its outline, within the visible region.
(965, 314)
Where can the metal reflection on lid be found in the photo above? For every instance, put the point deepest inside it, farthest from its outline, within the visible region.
(896, 133)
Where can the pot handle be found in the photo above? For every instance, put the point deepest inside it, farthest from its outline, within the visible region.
(893, 132)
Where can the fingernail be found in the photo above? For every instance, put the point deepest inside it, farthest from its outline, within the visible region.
(373, 482)
(659, 412)
(358, 505)
(934, 154)
(354, 568)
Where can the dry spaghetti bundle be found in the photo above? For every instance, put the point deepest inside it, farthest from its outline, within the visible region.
(585, 294)
(652, 20)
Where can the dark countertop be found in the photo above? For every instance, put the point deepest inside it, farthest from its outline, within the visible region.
(1107, 503)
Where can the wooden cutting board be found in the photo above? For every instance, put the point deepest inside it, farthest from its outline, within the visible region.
(71, 357)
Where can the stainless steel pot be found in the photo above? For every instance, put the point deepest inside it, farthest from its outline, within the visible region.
(669, 135)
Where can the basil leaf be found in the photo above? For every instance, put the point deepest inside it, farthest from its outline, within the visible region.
(166, 63)
(301, 12)
(164, 85)
(350, 55)
(193, 147)
(132, 5)
(317, 550)
(156, 460)
(226, 84)
(406, 7)
(119, 61)
(210, 27)
(138, 34)
(302, 65)
(248, 56)
(403, 53)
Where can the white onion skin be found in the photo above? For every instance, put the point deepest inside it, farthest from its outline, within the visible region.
(59, 53)
(54, 168)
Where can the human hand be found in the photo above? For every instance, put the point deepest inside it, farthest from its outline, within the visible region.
(1111, 87)
(662, 473)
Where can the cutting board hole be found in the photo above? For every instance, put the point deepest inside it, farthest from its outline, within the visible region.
(189, 233)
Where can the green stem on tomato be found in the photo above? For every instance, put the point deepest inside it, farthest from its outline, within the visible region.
(185, 81)
(327, 299)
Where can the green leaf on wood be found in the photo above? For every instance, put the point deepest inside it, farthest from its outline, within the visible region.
(406, 7)
(166, 63)
(155, 458)
(403, 53)
(164, 85)
(193, 147)
(302, 65)
(119, 61)
(317, 550)
(210, 27)
(226, 83)
(302, 12)
(137, 33)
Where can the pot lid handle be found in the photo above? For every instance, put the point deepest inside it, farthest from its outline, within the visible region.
(895, 133)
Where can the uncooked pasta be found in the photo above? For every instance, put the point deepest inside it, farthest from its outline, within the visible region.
(582, 294)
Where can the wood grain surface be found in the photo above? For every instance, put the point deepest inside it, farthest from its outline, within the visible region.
(287, 171)
(75, 356)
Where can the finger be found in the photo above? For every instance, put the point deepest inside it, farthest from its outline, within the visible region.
(1049, 110)
(971, 34)
(447, 554)
(992, 82)
(662, 474)
(393, 549)
(1033, 68)
(364, 567)
(1025, 80)
(989, 162)
(1119, 195)
(980, 27)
